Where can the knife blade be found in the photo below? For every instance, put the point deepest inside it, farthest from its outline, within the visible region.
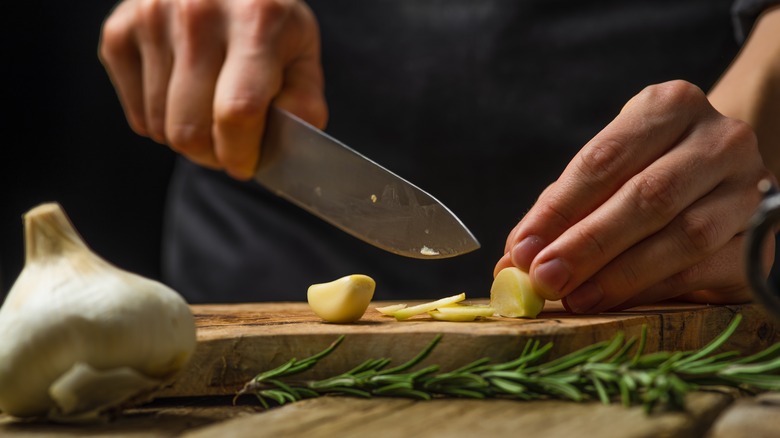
(332, 181)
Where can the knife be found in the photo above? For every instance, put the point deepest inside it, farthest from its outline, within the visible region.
(330, 180)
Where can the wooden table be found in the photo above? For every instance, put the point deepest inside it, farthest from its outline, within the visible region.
(200, 404)
(712, 415)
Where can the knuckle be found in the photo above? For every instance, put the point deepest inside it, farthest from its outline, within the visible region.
(116, 33)
(655, 194)
(599, 159)
(273, 9)
(739, 135)
(673, 94)
(194, 15)
(595, 247)
(189, 139)
(631, 276)
(548, 212)
(700, 233)
(112, 36)
(264, 14)
(240, 110)
(151, 20)
(152, 13)
(685, 280)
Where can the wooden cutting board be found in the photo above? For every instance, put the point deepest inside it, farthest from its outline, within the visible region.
(235, 342)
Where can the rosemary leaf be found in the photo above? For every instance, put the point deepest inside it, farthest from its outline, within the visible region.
(604, 371)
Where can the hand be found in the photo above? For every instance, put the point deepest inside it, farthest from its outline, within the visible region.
(200, 75)
(653, 207)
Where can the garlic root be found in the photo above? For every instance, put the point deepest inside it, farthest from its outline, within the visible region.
(82, 336)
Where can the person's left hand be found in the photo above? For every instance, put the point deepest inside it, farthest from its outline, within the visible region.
(653, 207)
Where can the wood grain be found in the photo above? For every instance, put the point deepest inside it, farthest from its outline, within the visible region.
(750, 418)
(391, 418)
(235, 342)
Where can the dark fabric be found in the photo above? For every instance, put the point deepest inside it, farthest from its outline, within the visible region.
(746, 12)
(482, 104)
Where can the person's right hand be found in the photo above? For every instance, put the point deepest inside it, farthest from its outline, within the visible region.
(199, 75)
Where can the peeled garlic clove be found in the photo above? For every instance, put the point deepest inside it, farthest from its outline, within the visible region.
(343, 300)
(512, 295)
(69, 307)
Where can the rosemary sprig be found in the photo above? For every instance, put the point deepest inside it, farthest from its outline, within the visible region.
(604, 371)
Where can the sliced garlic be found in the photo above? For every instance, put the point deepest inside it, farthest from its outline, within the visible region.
(343, 300)
(81, 336)
(391, 309)
(441, 316)
(475, 310)
(512, 295)
(419, 309)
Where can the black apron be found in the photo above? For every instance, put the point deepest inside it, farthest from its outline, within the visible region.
(480, 103)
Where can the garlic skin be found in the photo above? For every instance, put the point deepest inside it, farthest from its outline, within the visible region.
(81, 336)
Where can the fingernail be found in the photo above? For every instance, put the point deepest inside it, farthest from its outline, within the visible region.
(552, 276)
(524, 252)
(585, 298)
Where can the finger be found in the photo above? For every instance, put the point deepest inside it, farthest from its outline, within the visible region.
(121, 58)
(244, 90)
(154, 41)
(200, 53)
(303, 89)
(503, 263)
(674, 256)
(719, 279)
(275, 56)
(648, 202)
(713, 292)
(302, 93)
(251, 77)
(656, 120)
(514, 235)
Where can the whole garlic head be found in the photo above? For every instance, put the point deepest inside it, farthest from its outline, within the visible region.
(81, 336)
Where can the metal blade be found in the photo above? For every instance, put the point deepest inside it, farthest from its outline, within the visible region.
(332, 181)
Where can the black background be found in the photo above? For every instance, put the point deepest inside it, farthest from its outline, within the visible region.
(65, 139)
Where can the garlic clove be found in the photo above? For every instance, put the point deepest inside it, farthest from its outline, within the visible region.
(69, 306)
(343, 300)
(512, 295)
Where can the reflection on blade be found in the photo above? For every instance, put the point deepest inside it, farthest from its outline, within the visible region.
(325, 177)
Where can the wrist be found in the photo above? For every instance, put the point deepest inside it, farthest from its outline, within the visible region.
(749, 90)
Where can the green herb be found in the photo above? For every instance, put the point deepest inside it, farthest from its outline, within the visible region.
(605, 371)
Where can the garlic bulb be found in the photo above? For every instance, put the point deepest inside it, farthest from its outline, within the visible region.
(82, 337)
